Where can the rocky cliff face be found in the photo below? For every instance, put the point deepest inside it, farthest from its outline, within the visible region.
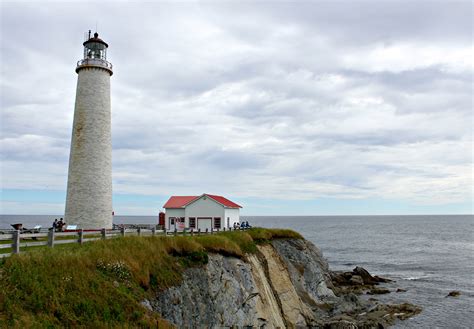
(286, 284)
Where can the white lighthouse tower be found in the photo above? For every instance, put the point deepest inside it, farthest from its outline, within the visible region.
(89, 186)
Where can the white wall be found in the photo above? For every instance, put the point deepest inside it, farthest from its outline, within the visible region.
(204, 208)
(172, 213)
(233, 215)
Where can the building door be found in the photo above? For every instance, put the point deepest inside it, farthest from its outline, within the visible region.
(172, 223)
(203, 223)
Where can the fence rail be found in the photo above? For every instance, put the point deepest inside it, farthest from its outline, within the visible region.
(17, 240)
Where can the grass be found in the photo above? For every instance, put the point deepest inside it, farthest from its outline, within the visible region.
(100, 284)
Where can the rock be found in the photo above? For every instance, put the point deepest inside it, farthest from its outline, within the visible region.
(380, 279)
(378, 291)
(367, 277)
(364, 274)
(218, 295)
(146, 303)
(295, 312)
(339, 278)
(401, 290)
(390, 313)
(267, 306)
(285, 284)
(356, 280)
(454, 293)
(308, 270)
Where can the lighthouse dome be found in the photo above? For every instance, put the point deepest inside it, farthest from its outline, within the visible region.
(100, 44)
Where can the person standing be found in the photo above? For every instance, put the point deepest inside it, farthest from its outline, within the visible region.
(61, 223)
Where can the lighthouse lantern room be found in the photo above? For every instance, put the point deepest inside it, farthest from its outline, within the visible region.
(95, 53)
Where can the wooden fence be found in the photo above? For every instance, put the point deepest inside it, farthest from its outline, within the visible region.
(16, 239)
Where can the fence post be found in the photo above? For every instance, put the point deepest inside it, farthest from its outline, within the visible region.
(223, 229)
(122, 231)
(192, 232)
(153, 231)
(207, 230)
(81, 236)
(175, 232)
(103, 233)
(51, 238)
(212, 230)
(164, 231)
(199, 231)
(139, 231)
(16, 242)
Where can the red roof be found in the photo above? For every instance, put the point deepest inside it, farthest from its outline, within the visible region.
(179, 201)
(223, 201)
(183, 201)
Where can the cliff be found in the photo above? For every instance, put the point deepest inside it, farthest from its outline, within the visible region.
(261, 277)
(287, 283)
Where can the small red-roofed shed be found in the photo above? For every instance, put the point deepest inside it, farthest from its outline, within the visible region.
(202, 212)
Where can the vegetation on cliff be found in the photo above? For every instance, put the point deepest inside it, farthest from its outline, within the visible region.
(101, 284)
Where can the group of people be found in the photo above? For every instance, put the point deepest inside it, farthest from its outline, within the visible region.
(238, 225)
(58, 224)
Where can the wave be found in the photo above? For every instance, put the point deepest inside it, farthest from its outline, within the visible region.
(416, 278)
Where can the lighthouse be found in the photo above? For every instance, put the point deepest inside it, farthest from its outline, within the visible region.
(89, 186)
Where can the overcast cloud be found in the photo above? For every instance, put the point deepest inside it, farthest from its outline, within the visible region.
(271, 100)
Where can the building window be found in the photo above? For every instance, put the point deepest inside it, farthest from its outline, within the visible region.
(171, 220)
(192, 222)
(217, 222)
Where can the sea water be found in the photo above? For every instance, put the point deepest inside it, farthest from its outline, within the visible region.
(429, 256)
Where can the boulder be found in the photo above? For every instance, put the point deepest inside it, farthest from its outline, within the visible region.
(356, 280)
(378, 291)
(454, 293)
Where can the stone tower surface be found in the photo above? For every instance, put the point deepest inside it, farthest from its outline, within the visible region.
(89, 186)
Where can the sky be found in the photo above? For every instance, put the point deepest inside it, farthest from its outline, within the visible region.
(287, 108)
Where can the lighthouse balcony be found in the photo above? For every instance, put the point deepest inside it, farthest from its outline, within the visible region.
(94, 62)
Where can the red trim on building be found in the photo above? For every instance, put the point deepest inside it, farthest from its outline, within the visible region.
(183, 201)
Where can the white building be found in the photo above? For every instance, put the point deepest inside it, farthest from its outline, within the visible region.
(200, 212)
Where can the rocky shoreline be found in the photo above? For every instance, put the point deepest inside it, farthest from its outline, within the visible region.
(287, 283)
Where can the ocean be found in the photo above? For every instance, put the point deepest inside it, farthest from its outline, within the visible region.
(429, 256)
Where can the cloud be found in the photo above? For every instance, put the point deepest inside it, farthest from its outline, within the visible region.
(285, 101)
